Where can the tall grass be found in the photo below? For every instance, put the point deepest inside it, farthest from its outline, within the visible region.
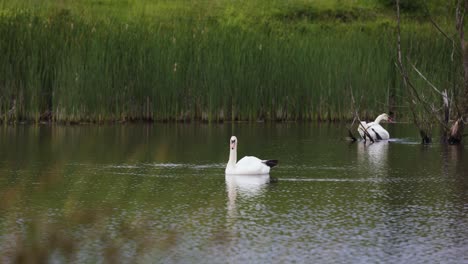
(68, 68)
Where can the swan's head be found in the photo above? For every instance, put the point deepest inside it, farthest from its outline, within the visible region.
(233, 142)
(385, 117)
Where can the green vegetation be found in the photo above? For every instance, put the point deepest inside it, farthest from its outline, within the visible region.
(208, 60)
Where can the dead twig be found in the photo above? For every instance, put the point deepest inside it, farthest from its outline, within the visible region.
(441, 31)
(356, 117)
(414, 96)
(350, 134)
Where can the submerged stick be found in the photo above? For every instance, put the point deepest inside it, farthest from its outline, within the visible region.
(350, 134)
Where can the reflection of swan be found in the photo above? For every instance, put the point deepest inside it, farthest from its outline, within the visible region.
(247, 184)
(248, 164)
(240, 187)
(375, 154)
(374, 129)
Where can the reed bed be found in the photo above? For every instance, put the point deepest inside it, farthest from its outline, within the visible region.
(64, 68)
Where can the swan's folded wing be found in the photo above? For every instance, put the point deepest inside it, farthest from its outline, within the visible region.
(249, 161)
(251, 165)
(379, 132)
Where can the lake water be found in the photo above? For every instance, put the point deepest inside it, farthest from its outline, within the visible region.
(158, 194)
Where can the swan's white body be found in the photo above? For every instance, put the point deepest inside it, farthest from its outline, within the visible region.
(375, 130)
(247, 165)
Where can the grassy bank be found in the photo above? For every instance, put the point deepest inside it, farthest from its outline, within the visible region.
(206, 61)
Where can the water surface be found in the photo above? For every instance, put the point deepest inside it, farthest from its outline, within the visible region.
(158, 193)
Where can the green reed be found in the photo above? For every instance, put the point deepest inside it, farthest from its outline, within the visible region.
(71, 69)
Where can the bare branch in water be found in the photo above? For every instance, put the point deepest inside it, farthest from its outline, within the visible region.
(356, 117)
(414, 96)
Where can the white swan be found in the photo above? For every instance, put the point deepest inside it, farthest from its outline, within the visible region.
(374, 129)
(248, 164)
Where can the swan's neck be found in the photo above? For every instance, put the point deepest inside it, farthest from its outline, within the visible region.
(379, 118)
(232, 157)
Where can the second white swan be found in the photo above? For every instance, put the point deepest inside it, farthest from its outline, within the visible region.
(374, 129)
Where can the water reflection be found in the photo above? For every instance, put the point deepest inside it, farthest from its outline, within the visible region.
(373, 156)
(452, 154)
(248, 185)
(140, 193)
(244, 186)
(454, 166)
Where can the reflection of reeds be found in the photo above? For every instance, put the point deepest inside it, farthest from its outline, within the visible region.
(70, 69)
(59, 202)
(42, 241)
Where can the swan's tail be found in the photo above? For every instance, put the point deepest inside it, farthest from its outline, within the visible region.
(270, 163)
